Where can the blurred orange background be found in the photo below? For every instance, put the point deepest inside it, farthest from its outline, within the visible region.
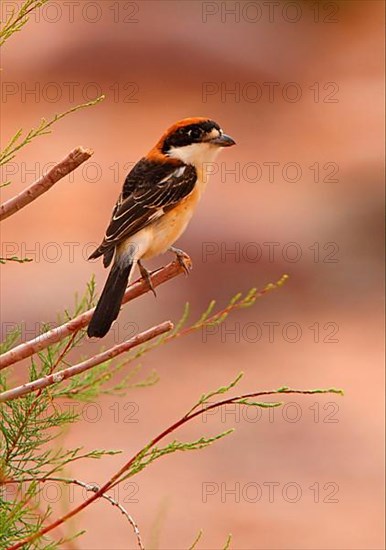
(292, 82)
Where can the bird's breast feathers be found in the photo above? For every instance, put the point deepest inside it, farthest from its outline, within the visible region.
(168, 226)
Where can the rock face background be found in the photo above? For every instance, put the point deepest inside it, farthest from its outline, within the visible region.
(301, 92)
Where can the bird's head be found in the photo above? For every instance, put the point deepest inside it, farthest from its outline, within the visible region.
(193, 141)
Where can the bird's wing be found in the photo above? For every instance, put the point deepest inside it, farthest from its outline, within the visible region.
(147, 194)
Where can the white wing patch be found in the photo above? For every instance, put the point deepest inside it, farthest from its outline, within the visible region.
(176, 174)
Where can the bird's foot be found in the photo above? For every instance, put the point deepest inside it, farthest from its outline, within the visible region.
(145, 274)
(183, 259)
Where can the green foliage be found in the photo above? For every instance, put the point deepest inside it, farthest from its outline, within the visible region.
(199, 536)
(149, 455)
(228, 543)
(12, 25)
(15, 259)
(18, 19)
(338, 391)
(196, 540)
(17, 141)
(30, 425)
(205, 398)
(152, 452)
(28, 428)
(208, 318)
(11, 339)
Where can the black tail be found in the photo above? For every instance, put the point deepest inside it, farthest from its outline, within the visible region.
(110, 300)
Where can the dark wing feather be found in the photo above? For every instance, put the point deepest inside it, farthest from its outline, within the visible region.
(149, 190)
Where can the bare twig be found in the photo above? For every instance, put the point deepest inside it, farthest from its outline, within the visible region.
(22, 351)
(116, 478)
(58, 376)
(44, 183)
(92, 487)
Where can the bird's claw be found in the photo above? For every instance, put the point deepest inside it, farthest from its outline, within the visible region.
(183, 259)
(146, 276)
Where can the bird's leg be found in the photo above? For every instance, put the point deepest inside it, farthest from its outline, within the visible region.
(182, 258)
(145, 274)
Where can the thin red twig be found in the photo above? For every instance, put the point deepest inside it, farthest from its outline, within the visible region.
(115, 479)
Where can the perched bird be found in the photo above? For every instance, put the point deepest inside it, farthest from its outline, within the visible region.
(157, 202)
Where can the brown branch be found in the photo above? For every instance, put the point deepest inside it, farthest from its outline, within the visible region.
(64, 374)
(44, 183)
(115, 479)
(22, 351)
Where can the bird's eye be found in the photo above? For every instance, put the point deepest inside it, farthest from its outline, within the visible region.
(194, 133)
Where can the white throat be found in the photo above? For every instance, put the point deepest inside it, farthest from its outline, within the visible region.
(197, 154)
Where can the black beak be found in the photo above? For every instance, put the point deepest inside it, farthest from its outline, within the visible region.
(223, 141)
